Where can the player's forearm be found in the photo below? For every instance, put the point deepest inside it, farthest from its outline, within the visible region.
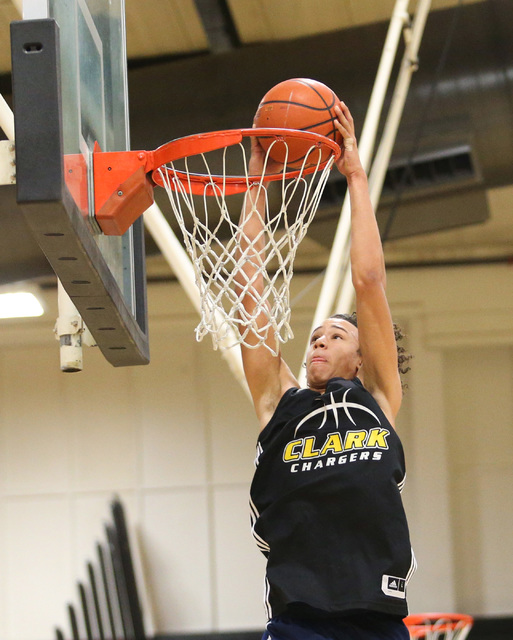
(251, 247)
(367, 261)
(251, 223)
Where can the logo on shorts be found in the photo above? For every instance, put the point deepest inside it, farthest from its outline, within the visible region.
(393, 586)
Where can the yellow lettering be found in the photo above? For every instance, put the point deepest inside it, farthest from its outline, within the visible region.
(333, 444)
(309, 451)
(378, 438)
(289, 453)
(355, 440)
(304, 448)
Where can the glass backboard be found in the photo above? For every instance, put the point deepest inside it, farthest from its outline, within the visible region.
(70, 93)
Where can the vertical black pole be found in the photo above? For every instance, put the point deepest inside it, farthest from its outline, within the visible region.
(59, 635)
(124, 607)
(106, 590)
(73, 623)
(127, 569)
(85, 611)
(96, 602)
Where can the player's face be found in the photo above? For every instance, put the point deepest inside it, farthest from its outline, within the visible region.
(333, 353)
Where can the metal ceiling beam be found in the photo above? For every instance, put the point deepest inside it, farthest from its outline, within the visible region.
(219, 25)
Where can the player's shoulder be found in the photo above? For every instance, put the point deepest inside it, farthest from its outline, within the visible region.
(276, 395)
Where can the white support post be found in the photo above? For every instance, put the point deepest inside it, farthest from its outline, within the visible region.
(400, 18)
(68, 331)
(7, 149)
(377, 175)
(409, 65)
(179, 261)
(339, 255)
(19, 6)
(6, 118)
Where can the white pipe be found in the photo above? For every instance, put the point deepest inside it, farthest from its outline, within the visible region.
(6, 118)
(381, 161)
(19, 6)
(346, 298)
(408, 67)
(367, 140)
(68, 329)
(173, 252)
(366, 144)
(340, 250)
(181, 265)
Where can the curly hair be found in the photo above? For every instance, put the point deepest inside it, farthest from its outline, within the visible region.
(403, 357)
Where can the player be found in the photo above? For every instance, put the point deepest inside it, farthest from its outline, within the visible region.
(325, 498)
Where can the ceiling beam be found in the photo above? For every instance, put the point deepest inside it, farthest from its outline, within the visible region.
(219, 25)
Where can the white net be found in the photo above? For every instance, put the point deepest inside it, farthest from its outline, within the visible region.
(230, 267)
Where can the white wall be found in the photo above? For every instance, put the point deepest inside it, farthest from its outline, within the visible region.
(176, 441)
(459, 435)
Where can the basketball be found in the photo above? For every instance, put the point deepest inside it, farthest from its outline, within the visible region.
(299, 103)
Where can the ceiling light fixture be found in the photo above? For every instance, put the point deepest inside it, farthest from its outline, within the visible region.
(20, 303)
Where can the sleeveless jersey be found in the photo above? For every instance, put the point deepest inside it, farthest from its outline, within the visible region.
(326, 506)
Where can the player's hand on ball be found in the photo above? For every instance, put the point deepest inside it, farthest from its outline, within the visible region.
(349, 162)
(259, 158)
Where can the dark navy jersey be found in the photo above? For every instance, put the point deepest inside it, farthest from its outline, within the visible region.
(326, 505)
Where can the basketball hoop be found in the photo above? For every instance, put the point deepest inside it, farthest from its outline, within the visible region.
(203, 204)
(439, 626)
(203, 179)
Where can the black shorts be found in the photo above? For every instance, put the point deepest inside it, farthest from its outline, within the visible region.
(360, 626)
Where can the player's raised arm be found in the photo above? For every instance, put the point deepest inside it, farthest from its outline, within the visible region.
(375, 326)
(268, 376)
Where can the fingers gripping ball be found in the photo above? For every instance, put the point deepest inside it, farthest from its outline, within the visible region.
(300, 103)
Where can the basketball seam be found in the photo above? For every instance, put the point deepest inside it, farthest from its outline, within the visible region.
(317, 124)
(297, 104)
(332, 133)
(307, 84)
(329, 107)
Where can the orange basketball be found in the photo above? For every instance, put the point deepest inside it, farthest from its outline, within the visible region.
(300, 103)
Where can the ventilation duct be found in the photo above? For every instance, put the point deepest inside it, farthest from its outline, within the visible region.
(433, 191)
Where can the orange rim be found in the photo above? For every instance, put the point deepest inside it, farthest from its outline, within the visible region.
(420, 624)
(204, 142)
